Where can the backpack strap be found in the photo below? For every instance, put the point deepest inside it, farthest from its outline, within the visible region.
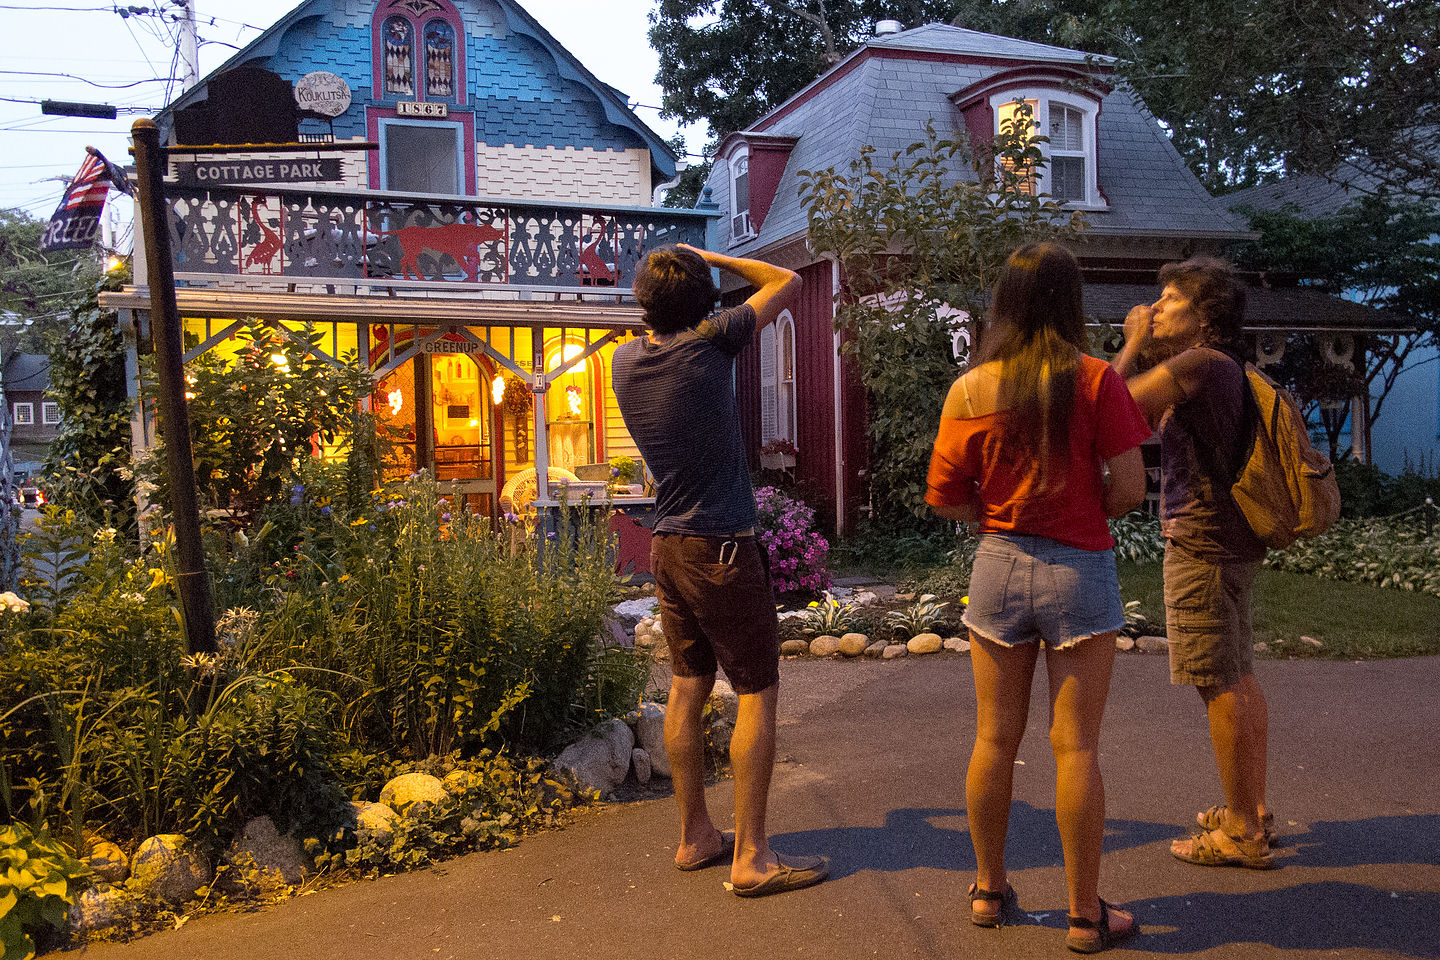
(1249, 421)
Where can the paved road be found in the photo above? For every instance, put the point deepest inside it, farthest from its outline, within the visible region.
(871, 776)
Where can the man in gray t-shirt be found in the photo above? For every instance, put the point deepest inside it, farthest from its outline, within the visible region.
(675, 388)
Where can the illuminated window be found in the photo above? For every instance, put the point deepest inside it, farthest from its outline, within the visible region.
(1068, 121)
(24, 414)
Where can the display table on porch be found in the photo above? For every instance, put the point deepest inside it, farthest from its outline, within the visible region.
(630, 520)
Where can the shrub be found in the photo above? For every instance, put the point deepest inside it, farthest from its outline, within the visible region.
(1386, 554)
(1137, 537)
(35, 877)
(829, 617)
(797, 551)
(917, 618)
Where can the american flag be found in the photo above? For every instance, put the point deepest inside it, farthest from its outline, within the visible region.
(74, 223)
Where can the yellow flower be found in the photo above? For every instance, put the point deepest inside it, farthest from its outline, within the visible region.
(965, 600)
(157, 578)
(359, 522)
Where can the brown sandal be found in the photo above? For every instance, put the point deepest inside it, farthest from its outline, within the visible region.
(1214, 818)
(1216, 848)
(1106, 938)
(1007, 900)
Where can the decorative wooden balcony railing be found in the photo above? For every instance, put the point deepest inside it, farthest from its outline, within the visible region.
(390, 240)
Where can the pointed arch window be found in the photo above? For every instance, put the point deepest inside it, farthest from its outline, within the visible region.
(399, 40)
(419, 51)
(439, 60)
(777, 380)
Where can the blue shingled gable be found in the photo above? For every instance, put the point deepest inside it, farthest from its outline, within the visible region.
(523, 87)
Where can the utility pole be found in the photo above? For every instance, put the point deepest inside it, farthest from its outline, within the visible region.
(189, 46)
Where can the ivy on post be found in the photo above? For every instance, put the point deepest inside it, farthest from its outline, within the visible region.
(920, 242)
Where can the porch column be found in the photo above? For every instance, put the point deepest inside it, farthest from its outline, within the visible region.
(538, 384)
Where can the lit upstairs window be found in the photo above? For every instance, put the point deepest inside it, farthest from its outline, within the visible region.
(741, 227)
(1068, 121)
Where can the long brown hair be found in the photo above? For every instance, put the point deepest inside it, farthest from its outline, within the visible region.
(1037, 333)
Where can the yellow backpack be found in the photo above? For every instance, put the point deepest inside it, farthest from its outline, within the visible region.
(1287, 488)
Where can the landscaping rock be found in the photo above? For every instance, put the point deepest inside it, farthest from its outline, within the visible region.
(166, 868)
(794, 647)
(599, 760)
(1123, 642)
(957, 645)
(649, 727)
(99, 908)
(107, 860)
(1260, 646)
(824, 646)
(893, 650)
(374, 821)
(459, 782)
(636, 609)
(265, 859)
(876, 649)
(1152, 644)
(413, 794)
(924, 643)
(854, 644)
(640, 763)
(724, 701)
(1312, 641)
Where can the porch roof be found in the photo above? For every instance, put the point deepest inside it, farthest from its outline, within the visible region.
(443, 311)
(1266, 308)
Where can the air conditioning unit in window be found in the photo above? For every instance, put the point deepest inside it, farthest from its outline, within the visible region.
(740, 224)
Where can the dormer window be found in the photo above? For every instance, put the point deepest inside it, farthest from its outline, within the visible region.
(418, 50)
(1067, 119)
(741, 227)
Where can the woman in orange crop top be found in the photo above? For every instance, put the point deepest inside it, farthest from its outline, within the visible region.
(1023, 439)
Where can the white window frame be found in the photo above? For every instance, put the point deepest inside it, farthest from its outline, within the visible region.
(742, 227)
(1041, 97)
(49, 413)
(778, 392)
(23, 414)
(458, 129)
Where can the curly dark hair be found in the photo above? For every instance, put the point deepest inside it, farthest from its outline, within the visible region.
(1215, 294)
(675, 289)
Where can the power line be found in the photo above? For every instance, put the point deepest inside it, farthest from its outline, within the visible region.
(93, 83)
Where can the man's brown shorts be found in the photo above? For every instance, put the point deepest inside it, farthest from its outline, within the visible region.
(716, 604)
(1207, 618)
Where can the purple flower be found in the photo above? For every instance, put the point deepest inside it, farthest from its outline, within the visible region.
(325, 511)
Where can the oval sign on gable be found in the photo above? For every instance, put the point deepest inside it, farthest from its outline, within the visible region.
(322, 93)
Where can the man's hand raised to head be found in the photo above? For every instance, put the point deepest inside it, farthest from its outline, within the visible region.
(776, 287)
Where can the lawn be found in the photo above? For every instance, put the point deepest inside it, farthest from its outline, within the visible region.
(1350, 620)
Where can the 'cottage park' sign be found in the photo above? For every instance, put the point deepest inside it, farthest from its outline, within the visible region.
(209, 173)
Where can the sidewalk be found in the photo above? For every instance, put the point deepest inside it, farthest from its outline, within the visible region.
(871, 769)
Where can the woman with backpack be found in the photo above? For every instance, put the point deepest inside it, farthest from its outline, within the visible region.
(1196, 394)
(1025, 440)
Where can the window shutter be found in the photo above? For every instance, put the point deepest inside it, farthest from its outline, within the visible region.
(768, 379)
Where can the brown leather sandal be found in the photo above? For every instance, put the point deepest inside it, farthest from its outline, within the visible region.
(1007, 900)
(1106, 938)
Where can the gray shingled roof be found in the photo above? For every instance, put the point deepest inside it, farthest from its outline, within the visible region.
(27, 371)
(1314, 195)
(886, 102)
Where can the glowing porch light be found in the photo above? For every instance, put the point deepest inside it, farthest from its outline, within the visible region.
(281, 363)
(572, 397)
(569, 352)
(497, 389)
(397, 400)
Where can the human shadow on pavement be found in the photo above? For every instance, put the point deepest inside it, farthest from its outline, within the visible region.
(1414, 838)
(909, 839)
(1329, 916)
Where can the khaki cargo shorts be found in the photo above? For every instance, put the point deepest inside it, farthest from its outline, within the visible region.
(1207, 618)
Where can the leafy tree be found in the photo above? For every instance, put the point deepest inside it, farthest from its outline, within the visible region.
(39, 287)
(918, 240)
(729, 61)
(88, 465)
(1377, 250)
(257, 421)
(1247, 88)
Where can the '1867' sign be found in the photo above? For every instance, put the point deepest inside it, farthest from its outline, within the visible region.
(411, 108)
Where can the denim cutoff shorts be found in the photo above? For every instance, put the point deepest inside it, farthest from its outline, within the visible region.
(1027, 588)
